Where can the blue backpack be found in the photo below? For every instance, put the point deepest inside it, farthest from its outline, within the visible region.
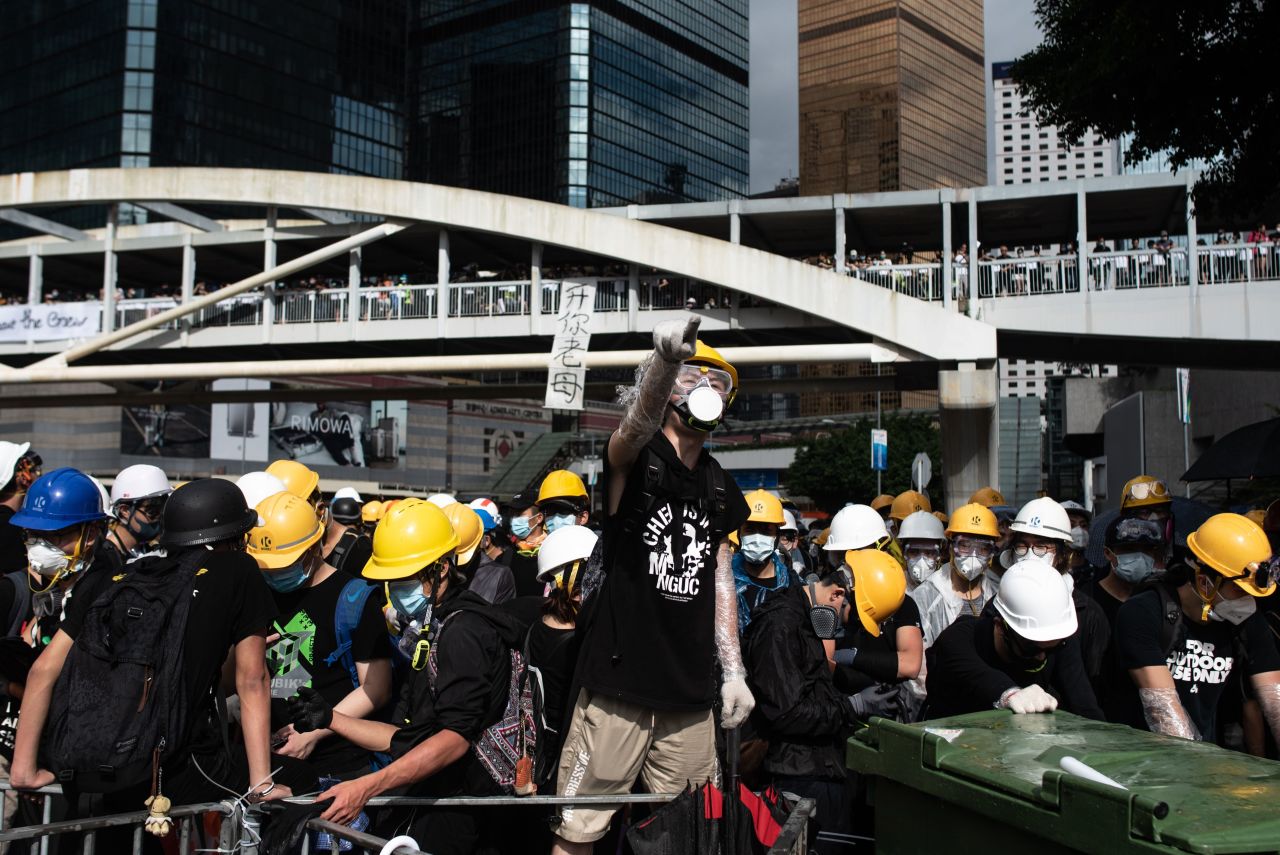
(351, 603)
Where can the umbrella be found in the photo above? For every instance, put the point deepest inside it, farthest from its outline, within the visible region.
(1188, 515)
(1252, 451)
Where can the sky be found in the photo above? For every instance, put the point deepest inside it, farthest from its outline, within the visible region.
(1010, 31)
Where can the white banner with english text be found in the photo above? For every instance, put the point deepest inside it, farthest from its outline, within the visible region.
(50, 321)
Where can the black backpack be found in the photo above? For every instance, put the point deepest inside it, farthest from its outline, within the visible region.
(21, 608)
(342, 549)
(119, 708)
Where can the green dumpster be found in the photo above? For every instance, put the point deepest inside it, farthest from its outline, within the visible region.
(993, 782)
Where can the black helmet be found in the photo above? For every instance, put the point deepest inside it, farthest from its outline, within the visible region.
(206, 511)
(345, 510)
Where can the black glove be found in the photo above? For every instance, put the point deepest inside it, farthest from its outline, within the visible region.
(283, 831)
(309, 711)
(845, 656)
(881, 700)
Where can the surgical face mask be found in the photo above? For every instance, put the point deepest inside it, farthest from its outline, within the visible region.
(520, 527)
(922, 568)
(288, 579)
(1234, 612)
(1134, 567)
(1079, 538)
(556, 521)
(757, 548)
(970, 567)
(407, 596)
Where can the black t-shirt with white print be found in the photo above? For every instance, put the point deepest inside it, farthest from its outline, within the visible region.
(649, 638)
(1201, 662)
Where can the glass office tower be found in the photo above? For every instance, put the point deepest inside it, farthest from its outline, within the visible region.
(589, 104)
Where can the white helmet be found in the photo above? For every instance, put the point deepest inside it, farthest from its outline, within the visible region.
(442, 500)
(257, 486)
(140, 481)
(1043, 517)
(104, 497)
(789, 521)
(1035, 601)
(565, 544)
(10, 454)
(489, 506)
(855, 527)
(348, 493)
(921, 525)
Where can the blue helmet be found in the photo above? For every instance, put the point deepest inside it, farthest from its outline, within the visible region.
(62, 498)
(486, 519)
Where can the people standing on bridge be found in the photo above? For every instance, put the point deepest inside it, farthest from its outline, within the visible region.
(19, 468)
(759, 568)
(666, 608)
(1181, 642)
(138, 495)
(346, 547)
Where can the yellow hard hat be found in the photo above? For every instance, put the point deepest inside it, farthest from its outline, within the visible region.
(467, 525)
(943, 517)
(298, 479)
(906, 504)
(821, 539)
(1236, 548)
(988, 497)
(765, 507)
(1144, 491)
(372, 511)
(973, 518)
(879, 586)
(1256, 515)
(561, 484)
(289, 528)
(882, 501)
(413, 535)
(705, 354)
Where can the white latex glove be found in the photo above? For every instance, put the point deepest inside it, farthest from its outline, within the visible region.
(736, 703)
(676, 341)
(1032, 699)
(393, 617)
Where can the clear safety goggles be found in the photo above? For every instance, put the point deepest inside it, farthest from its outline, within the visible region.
(920, 550)
(1141, 531)
(689, 377)
(1147, 490)
(1039, 550)
(963, 547)
(1260, 574)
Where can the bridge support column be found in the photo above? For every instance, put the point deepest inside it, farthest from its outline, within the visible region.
(840, 239)
(1193, 251)
(109, 271)
(535, 289)
(269, 288)
(968, 410)
(1082, 245)
(633, 297)
(355, 261)
(946, 254)
(35, 274)
(735, 221)
(973, 257)
(442, 284)
(188, 284)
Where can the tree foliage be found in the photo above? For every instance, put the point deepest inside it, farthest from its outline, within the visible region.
(1194, 77)
(837, 469)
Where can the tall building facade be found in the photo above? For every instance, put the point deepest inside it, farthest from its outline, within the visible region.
(1027, 151)
(590, 104)
(892, 95)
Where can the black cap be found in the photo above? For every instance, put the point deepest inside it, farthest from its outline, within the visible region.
(345, 510)
(522, 501)
(206, 511)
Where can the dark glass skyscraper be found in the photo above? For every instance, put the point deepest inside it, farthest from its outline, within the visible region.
(598, 103)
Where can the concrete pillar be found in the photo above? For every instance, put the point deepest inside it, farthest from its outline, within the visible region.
(535, 289)
(188, 284)
(355, 260)
(442, 283)
(268, 262)
(109, 271)
(735, 221)
(947, 253)
(1193, 234)
(840, 239)
(973, 257)
(968, 409)
(633, 297)
(1082, 243)
(35, 274)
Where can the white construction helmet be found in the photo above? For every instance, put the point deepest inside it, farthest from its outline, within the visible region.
(855, 527)
(348, 493)
(258, 486)
(565, 544)
(789, 521)
(1035, 601)
(104, 497)
(442, 500)
(921, 525)
(1043, 517)
(489, 506)
(140, 481)
(10, 454)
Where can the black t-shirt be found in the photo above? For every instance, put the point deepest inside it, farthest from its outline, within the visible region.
(650, 636)
(358, 553)
(230, 603)
(877, 659)
(553, 652)
(307, 628)
(8, 595)
(1201, 660)
(966, 674)
(13, 546)
(524, 568)
(1116, 693)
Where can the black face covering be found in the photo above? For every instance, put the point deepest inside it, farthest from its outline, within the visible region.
(1025, 654)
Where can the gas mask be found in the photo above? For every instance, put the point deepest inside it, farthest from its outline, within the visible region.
(824, 619)
(701, 392)
(756, 548)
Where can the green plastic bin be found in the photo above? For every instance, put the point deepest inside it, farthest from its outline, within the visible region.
(992, 782)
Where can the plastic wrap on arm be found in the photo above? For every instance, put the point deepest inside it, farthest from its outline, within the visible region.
(1269, 699)
(1165, 714)
(646, 401)
(736, 699)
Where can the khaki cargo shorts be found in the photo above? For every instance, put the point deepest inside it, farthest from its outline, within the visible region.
(610, 743)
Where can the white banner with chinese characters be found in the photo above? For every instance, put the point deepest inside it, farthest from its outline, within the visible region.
(567, 371)
(50, 321)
